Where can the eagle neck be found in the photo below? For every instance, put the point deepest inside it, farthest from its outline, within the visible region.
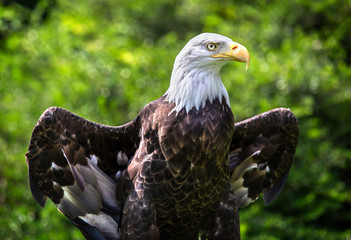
(192, 87)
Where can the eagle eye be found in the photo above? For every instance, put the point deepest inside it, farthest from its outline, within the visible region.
(211, 46)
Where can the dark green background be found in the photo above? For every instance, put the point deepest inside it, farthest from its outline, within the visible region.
(104, 60)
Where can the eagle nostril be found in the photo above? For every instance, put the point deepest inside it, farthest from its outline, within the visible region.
(234, 47)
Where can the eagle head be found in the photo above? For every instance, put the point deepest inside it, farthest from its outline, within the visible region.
(196, 72)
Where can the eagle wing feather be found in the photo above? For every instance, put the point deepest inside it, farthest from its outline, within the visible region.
(261, 154)
(74, 162)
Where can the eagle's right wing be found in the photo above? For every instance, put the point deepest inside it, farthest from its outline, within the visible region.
(261, 154)
(75, 163)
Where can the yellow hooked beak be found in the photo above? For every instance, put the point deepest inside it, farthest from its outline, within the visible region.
(237, 52)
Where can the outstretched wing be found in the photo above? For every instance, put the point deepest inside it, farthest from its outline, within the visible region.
(74, 162)
(261, 154)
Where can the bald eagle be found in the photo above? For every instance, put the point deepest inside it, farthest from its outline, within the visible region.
(179, 170)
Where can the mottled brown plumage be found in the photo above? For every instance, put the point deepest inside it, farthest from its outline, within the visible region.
(183, 168)
(179, 170)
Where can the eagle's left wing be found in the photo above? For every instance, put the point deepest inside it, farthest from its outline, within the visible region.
(261, 154)
(75, 163)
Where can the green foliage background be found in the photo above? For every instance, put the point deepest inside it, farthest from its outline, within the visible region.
(105, 59)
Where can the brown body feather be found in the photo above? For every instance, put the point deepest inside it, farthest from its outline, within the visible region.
(182, 168)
